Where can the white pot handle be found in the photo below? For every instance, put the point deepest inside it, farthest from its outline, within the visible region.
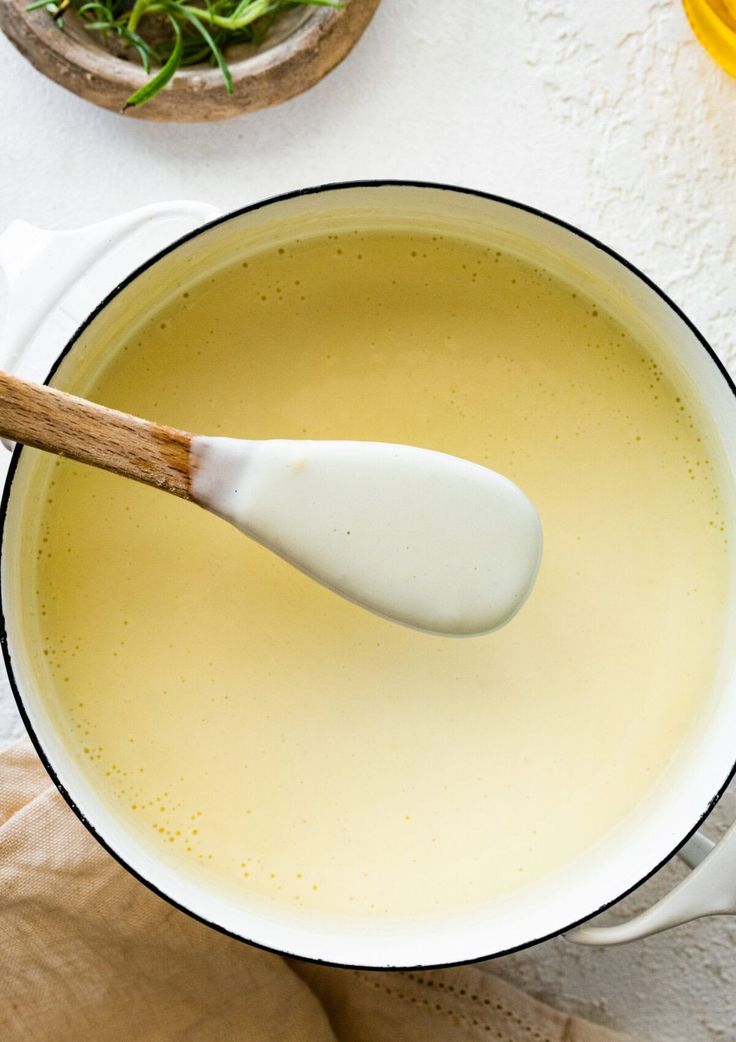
(56, 278)
(710, 889)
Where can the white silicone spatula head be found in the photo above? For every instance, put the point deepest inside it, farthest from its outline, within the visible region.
(424, 538)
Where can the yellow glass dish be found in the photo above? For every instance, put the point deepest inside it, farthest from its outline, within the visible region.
(714, 24)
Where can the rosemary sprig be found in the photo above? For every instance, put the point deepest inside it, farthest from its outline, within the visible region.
(168, 35)
(162, 77)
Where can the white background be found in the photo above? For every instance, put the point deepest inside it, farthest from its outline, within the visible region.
(606, 113)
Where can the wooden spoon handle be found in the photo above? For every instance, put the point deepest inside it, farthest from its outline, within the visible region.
(57, 422)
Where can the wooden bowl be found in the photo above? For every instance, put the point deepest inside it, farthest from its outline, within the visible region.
(303, 45)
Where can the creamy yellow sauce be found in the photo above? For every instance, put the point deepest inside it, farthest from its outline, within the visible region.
(280, 743)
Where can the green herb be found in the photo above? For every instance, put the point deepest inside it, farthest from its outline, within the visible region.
(168, 35)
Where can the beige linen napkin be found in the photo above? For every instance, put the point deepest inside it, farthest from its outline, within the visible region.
(88, 954)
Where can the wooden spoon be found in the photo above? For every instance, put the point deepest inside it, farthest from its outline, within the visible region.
(48, 419)
(421, 537)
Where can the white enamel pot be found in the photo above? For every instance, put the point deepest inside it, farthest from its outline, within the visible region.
(70, 292)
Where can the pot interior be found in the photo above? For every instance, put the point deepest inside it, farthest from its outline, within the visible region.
(638, 833)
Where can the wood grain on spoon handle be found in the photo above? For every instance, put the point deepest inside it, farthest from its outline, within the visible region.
(48, 419)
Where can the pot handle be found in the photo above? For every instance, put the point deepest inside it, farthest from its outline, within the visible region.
(56, 278)
(710, 889)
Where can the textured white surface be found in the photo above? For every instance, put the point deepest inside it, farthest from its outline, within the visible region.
(605, 113)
